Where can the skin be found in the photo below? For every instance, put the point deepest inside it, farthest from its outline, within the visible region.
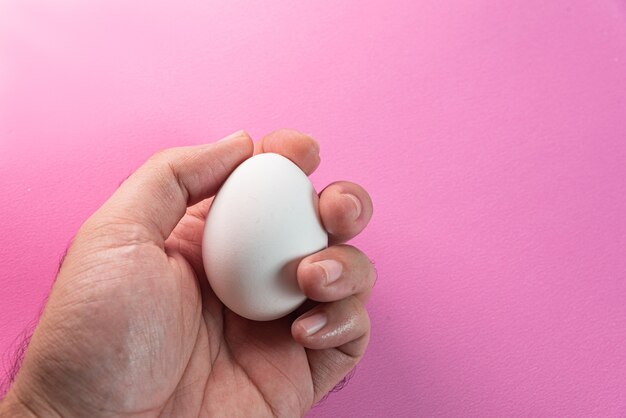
(131, 327)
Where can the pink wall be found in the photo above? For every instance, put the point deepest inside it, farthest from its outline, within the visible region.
(491, 134)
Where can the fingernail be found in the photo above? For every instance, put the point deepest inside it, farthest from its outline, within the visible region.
(234, 135)
(313, 323)
(357, 205)
(332, 270)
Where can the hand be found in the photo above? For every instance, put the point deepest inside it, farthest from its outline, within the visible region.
(132, 327)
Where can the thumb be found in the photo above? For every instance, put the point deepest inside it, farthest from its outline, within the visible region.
(154, 198)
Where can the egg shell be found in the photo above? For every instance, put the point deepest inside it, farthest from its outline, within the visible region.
(262, 222)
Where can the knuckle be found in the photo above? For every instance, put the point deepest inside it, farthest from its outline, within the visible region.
(354, 287)
(112, 230)
(165, 165)
(167, 157)
(160, 162)
(348, 252)
(355, 306)
(287, 132)
(364, 324)
(372, 273)
(161, 156)
(355, 256)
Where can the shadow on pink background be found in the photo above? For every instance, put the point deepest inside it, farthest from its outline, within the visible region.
(491, 135)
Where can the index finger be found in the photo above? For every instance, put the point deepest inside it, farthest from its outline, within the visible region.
(301, 149)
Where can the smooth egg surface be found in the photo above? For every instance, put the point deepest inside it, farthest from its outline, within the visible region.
(262, 222)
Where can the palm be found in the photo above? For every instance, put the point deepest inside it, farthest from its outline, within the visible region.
(258, 365)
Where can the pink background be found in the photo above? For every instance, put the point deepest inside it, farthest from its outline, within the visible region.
(491, 135)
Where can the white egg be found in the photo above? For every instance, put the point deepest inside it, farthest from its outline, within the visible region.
(262, 222)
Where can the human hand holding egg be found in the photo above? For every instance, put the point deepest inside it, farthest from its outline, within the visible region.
(133, 327)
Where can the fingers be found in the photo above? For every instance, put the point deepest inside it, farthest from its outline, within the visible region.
(301, 149)
(330, 325)
(155, 197)
(336, 273)
(336, 332)
(345, 208)
(337, 335)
